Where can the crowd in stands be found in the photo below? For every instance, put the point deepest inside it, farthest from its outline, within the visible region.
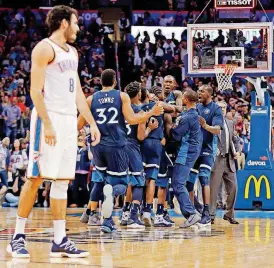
(139, 61)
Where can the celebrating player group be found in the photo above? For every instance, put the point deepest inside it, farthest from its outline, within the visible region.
(139, 139)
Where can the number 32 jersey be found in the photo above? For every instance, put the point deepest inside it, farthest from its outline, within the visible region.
(61, 80)
(106, 108)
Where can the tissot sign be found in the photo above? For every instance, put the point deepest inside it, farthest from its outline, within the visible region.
(227, 4)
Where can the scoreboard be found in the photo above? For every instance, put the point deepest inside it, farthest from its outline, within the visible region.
(229, 4)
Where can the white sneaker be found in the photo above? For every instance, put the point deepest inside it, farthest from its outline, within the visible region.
(147, 219)
(107, 206)
(159, 221)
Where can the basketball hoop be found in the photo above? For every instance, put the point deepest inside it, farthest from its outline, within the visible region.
(224, 73)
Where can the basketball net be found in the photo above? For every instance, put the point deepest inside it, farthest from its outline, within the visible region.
(224, 73)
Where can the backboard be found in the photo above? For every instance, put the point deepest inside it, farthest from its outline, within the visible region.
(248, 45)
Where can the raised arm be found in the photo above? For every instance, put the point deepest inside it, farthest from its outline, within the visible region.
(134, 119)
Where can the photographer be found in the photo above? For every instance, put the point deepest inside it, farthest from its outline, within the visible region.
(18, 165)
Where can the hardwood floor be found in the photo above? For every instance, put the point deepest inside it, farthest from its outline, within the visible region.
(250, 244)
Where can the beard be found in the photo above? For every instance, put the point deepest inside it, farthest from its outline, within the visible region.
(70, 36)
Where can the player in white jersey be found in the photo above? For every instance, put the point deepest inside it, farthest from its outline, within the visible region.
(56, 93)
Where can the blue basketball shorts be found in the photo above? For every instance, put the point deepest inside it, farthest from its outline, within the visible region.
(136, 170)
(202, 167)
(163, 175)
(110, 164)
(151, 150)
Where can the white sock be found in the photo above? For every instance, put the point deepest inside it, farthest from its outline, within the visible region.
(59, 231)
(20, 226)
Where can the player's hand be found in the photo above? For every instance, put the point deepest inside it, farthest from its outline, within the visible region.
(202, 122)
(95, 135)
(163, 141)
(153, 123)
(50, 135)
(158, 109)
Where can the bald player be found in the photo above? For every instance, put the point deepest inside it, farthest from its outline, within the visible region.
(171, 95)
(211, 120)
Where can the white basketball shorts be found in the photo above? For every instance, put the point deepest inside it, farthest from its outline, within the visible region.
(53, 162)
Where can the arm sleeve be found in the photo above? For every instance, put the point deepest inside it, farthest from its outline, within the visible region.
(178, 132)
(218, 119)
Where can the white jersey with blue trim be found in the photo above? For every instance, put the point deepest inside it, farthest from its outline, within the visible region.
(61, 81)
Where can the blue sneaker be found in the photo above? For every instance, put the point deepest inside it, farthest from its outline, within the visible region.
(206, 220)
(17, 247)
(108, 226)
(168, 219)
(124, 218)
(67, 249)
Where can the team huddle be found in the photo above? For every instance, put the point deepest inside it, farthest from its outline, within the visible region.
(139, 140)
(147, 138)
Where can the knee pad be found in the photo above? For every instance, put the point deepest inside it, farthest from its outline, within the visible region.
(189, 186)
(204, 180)
(96, 193)
(193, 176)
(59, 189)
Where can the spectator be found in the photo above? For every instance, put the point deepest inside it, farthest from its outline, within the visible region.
(80, 191)
(11, 114)
(179, 19)
(148, 21)
(99, 19)
(124, 25)
(18, 164)
(241, 158)
(25, 123)
(4, 161)
(84, 5)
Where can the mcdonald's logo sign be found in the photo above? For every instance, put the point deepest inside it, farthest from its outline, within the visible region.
(257, 185)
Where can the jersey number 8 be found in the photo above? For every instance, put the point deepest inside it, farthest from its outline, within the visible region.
(71, 84)
(103, 118)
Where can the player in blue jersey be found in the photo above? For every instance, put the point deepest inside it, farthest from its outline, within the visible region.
(171, 95)
(188, 133)
(174, 97)
(151, 149)
(211, 120)
(110, 109)
(135, 134)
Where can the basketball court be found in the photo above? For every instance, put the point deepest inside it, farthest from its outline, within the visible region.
(249, 244)
(241, 49)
